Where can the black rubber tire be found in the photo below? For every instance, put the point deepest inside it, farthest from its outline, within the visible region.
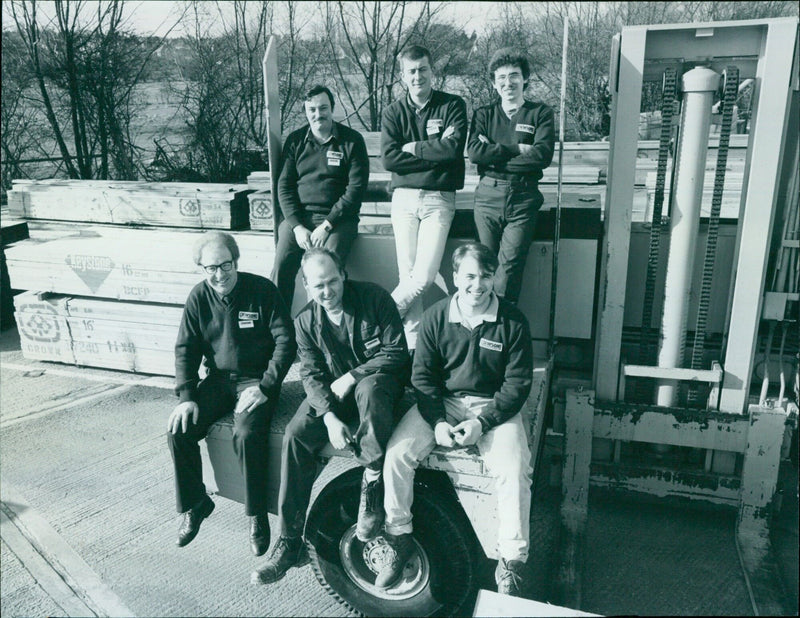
(441, 529)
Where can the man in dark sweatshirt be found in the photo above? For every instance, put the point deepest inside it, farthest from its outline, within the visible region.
(512, 141)
(422, 141)
(239, 326)
(355, 364)
(472, 374)
(324, 173)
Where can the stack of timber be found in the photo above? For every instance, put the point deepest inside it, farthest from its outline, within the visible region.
(99, 333)
(211, 205)
(731, 191)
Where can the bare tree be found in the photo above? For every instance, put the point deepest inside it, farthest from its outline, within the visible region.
(85, 69)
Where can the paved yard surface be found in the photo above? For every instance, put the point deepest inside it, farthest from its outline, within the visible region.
(88, 521)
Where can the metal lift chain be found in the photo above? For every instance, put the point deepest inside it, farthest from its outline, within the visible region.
(647, 341)
(728, 101)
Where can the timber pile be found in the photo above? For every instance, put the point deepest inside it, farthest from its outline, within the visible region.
(211, 205)
(149, 265)
(84, 331)
(731, 192)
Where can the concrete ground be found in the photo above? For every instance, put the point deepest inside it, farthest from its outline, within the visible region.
(88, 521)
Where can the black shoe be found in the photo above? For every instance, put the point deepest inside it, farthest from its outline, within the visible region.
(370, 509)
(285, 554)
(392, 569)
(509, 576)
(259, 534)
(192, 519)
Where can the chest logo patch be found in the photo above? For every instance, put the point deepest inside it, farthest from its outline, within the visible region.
(434, 126)
(488, 344)
(335, 154)
(525, 128)
(372, 344)
(246, 324)
(248, 315)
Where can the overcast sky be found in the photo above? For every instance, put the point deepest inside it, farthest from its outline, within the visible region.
(158, 16)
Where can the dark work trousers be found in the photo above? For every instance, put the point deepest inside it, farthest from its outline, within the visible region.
(288, 253)
(372, 403)
(216, 397)
(505, 215)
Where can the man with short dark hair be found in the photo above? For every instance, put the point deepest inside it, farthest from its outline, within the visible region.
(472, 374)
(324, 173)
(238, 325)
(512, 141)
(354, 363)
(422, 141)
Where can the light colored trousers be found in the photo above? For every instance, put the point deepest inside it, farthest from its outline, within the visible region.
(421, 221)
(505, 453)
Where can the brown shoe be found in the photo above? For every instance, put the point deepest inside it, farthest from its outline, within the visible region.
(192, 519)
(392, 569)
(370, 509)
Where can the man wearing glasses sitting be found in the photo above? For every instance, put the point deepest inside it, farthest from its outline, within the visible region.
(239, 325)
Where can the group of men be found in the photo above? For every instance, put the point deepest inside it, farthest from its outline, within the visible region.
(472, 357)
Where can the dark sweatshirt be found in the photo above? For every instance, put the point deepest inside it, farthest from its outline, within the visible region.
(328, 179)
(533, 124)
(495, 359)
(437, 164)
(252, 336)
(377, 343)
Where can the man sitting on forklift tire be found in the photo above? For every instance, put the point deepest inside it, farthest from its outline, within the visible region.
(472, 374)
(354, 363)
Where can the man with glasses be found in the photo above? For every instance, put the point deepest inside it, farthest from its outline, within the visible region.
(422, 143)
(324, 174)
(237, 324)
(512, 141)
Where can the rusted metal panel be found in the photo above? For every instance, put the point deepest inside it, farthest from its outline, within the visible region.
(677, 426)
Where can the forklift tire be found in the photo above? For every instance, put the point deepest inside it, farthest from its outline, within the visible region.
(440, 579)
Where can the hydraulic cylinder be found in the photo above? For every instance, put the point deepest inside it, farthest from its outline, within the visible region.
(699, 86)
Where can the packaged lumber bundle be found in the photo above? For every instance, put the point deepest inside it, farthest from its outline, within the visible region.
(198, 205)
(113, 335)
(120, 263)
(261, 215)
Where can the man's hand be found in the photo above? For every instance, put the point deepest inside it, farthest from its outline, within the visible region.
(410, 147)
(466, 433)
(525, 149)
(319, 235)
(443, 433)
(483, 139)
(342, 385)
(179, 419)
(303, 237)
(448, 132)
(249, 398)
(338, 433)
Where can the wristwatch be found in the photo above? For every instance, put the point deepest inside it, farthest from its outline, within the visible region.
(327, 225)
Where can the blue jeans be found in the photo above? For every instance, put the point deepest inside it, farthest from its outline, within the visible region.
(288, 253)
(421, 221)
(505, 215)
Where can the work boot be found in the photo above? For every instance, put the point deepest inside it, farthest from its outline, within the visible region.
(259, 533)
(509, 576)
(370, 509)
(285, 554)
(192, 519)
(403, 548)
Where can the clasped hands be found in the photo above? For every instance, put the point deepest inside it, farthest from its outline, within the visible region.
(306, 238)
(466, 433)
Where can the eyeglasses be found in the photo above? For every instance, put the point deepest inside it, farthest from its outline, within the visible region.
(224, 267)
(514, 78)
